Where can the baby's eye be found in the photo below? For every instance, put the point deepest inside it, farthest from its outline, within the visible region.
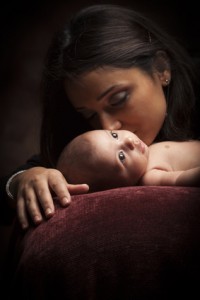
(114, 135)
(119, 98)
(121, 156)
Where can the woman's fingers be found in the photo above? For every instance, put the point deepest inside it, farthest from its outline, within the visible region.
(44, 198)
(21, 213)
(76, 189)
(58, 185)
(28, 208)
(36, 189)
(34, 199)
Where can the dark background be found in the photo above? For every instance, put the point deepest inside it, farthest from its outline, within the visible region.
(26, 29)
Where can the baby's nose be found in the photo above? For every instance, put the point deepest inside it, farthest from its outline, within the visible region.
(129, 142)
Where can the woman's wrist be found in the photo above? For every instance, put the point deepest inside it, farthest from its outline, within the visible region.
(9, 182)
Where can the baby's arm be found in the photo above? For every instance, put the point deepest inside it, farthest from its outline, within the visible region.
(189, 177)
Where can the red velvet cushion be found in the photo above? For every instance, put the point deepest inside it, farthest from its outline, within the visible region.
(127, 243)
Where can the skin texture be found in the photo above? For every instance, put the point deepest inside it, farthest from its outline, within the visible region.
(108, 98)
(173, 163)
(126, 99)
(34, 190)
(110, 159)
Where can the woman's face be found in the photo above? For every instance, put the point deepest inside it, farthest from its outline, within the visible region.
(115, 99)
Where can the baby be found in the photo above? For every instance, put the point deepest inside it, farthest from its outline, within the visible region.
(108, 159)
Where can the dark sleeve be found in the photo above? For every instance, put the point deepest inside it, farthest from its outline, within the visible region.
(6, 212)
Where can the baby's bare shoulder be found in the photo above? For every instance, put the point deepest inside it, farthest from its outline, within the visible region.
(173, 144)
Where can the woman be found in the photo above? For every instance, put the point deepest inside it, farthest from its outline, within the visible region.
(109, 68)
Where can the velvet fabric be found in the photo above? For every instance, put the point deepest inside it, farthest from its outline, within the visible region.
(126, 243)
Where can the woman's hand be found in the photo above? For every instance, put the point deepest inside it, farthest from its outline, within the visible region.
(33, 191)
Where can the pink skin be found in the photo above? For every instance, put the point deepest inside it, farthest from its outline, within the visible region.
(119, 154)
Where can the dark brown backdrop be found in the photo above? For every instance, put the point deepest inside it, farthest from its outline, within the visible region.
(25, 33)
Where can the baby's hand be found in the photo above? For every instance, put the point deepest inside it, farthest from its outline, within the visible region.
(34, 189)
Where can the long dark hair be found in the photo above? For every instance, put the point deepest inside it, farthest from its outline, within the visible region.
(116, 36)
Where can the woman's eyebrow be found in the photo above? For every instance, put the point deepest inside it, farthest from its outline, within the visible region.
(107, 91)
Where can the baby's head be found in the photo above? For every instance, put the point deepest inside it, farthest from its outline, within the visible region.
(104, 159)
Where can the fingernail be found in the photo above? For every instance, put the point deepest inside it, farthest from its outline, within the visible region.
(24, 226)
(37, 219)
(49, 212)
(65, 201)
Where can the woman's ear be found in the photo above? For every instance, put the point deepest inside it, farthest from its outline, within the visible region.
(162, 67)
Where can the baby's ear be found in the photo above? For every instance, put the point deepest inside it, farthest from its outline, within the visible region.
(162, 66)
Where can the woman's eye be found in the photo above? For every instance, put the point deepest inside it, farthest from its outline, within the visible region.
(119, 98)
(114, 135)
(121, 156)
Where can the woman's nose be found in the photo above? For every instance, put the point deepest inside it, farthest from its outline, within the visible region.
(109, 122)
